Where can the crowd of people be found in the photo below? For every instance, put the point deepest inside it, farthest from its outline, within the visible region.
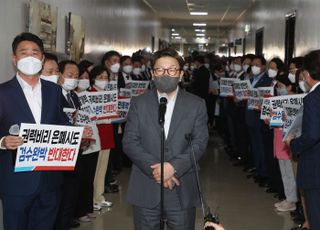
(249, 141)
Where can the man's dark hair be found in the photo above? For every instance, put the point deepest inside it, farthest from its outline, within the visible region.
(311, 63)
(51, 56)
(124, 58)
(62, 65)
(27, 37)
(97, 70)
(261, 58)
(83, 66)
(167, 52)
(108, 55)
(137, 58)
(298, 61)
(199, 59)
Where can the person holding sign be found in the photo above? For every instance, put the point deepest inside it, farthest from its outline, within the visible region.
(30, 199)
(99, 79)
(306, 147)
(260, 79)
(142, 143)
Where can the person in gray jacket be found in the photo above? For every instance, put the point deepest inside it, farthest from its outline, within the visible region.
(185, 114)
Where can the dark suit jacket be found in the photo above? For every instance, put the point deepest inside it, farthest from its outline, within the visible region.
(121, 81)
(307, 146)
(14, 109)
(253, 117)
(142, 144)
(200, 84)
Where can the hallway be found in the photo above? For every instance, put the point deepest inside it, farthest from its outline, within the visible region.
(240, 203)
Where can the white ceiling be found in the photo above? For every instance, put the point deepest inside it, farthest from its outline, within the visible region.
(222, 15)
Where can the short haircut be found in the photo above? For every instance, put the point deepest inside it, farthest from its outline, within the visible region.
(137, 58)
(261, 58)
(108, 55)
(298, 61)
(97, 70)
(27, 37)
(124, 58)
(311, 63)
(83, 66)
(199, 59)
(62, 65)
(51, 56)
(167, 52)
(279, 63)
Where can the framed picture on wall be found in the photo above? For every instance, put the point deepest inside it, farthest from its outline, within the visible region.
(43, 22)
(75, 37)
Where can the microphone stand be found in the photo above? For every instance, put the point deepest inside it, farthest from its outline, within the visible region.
(206, 213)
(162, 111)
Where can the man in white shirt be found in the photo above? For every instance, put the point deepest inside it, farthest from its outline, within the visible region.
(30, 199)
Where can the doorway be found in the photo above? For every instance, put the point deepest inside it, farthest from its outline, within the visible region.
(259, 42)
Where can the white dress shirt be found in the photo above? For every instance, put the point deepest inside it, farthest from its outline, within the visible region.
(314, 87)
(33, 97)
(170, 106)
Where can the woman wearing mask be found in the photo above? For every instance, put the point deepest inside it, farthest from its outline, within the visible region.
(99, 79)
(294, 65)
(84, 207)
(282, 154)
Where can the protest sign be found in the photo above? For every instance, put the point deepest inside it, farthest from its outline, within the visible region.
(272, 103)
(265, 92)
(125, 93)
(296, 126)
(290, 112)
(48, 147)
(276, 118)
(241, 89)
(226, 89)
(123, 107)
(139, 87)
(254, 102)
(112, 85)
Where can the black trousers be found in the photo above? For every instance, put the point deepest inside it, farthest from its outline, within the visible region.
(312, 197)
(84, 204)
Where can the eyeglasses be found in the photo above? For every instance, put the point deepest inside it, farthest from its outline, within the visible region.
(161, 71)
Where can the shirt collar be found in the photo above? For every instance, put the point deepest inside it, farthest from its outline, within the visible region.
(25, 85)
(169, 99)
(314, 87)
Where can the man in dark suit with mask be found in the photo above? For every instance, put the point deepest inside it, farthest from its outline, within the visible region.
(185, 114)
(30, 199)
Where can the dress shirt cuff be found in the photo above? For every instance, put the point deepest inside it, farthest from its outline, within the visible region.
(1, 140)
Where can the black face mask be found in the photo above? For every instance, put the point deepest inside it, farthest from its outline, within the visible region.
(166, 84)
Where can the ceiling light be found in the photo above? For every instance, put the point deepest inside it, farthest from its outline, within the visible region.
(175, 34)
(178, 37)
(199, 13)
(173, 30)
(199, 24)
(198, 30)
(200, 35)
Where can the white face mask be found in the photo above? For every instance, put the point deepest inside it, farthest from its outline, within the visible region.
(83, 84)
(292, 78)
(246, 67)
(29, 65)
(272, 73)
(192, 67)
(256, 70)
(127, 69)
(237, 68)
(185, 68)
(70, 84)
(143, 68)
(303, 86)
(115, 68)
(101, 84)
(136, 71)
(52, 78)
(207, 65)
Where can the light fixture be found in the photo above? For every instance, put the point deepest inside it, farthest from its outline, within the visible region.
(199, 13)
(178, 38)
(198, 30)
(175, 34)
(199, 24)
(173, 30)
(200, 35)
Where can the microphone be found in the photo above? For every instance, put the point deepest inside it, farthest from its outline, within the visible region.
(162, 109)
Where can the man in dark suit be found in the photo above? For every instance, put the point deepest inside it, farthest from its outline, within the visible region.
(260, 79)
(201, 76)
(307, 147)
(30, 199)
(185, 114)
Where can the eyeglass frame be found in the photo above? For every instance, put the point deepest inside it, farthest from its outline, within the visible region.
(177, 70)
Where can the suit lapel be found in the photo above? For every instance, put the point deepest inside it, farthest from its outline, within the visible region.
(45, 101)
(177, 114)
(21, 100)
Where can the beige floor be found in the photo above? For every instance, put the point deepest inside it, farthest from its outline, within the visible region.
(240, 204)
